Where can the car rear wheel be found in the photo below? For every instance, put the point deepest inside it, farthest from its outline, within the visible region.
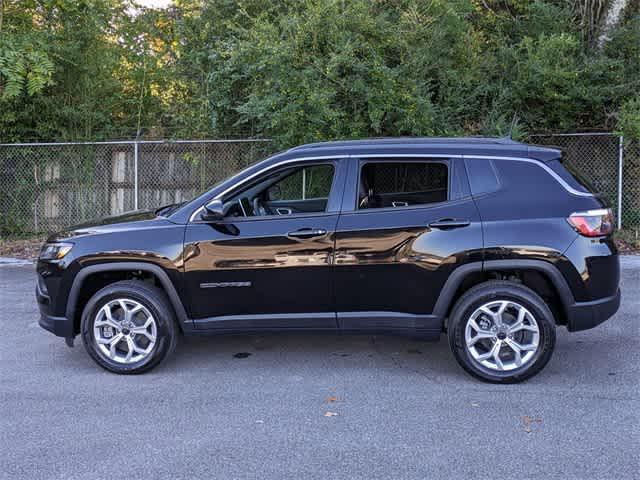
(128, 327)
(501, 332)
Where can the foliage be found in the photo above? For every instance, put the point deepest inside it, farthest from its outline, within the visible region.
(630, 118)
(307, 70)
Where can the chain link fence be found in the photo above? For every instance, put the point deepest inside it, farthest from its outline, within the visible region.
(48, 187)
(608, 163)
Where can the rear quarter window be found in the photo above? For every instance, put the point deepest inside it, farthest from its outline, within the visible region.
(482, 176)
(569, 174)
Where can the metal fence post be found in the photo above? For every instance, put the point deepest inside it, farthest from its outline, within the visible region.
(135, 175)
(620, 160)
(304, 183)
(46, 187)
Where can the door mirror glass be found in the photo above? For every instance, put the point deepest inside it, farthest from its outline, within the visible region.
(213, 211)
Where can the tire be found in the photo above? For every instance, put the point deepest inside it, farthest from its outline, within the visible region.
(475, 345)
(105, 323)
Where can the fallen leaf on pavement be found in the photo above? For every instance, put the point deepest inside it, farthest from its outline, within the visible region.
(529, 421)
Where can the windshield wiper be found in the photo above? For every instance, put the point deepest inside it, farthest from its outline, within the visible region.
(167, 210)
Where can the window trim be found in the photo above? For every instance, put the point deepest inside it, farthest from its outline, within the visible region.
(337, 158)
(445, 160)
(304, 163)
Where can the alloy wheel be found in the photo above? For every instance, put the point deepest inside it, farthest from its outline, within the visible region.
(125, 331)
(502, 335)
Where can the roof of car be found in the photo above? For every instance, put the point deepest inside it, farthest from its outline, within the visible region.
(408, 141)
(489, 146)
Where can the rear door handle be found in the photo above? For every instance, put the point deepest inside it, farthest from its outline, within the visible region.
(449, 223)
(307, 233)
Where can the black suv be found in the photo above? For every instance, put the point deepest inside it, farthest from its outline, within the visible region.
(492, 241)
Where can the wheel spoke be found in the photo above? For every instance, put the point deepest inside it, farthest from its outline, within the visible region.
(140, 350)
(480, 333)
(495, 316)
(499, 314)
(477, 327)
(130, 347)
(491, 353)
(108, 318)
(517, 351)
(145, 332)
(472, 341)
(496, 354)
(114, 344)
(518, 328)
(108, 341)
(522, 348)
(519, 324)
(148, 323)
(130, 313)
(123, 306)
(487, 311)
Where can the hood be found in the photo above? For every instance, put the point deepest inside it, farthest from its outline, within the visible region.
(126, 221)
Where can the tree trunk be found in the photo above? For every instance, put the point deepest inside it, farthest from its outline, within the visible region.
(611, 19)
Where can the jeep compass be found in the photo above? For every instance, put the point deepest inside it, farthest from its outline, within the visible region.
(493, 242)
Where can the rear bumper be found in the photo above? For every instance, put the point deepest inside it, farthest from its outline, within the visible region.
(585, 315)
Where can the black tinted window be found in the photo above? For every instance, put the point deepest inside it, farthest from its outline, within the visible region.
(571, 176)
(482, 176)
(307, 182)
(398, 184)
(297, 190)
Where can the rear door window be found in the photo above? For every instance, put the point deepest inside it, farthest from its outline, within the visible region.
(393, 184)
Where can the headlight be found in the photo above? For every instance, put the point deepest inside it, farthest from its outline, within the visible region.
(55, 251)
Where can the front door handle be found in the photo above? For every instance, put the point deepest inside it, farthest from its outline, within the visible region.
(449, 223)
(307, 233)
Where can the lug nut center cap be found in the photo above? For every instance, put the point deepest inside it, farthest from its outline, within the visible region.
(502, 336)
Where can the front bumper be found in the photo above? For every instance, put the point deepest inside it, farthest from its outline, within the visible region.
(585, 315)
(60, 326)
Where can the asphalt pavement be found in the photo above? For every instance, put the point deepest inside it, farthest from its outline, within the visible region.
(307, 407)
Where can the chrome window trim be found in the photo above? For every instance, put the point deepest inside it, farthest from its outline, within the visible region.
(272, 167)
(539, 163)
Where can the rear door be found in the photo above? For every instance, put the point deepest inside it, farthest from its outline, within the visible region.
(406, 224)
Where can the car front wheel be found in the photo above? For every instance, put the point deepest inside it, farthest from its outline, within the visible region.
(501, 332)
(128, 327)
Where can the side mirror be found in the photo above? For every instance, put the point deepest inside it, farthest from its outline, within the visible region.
(213, 211)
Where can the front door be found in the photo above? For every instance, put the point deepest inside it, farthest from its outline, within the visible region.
(268, 264)
(406, 226)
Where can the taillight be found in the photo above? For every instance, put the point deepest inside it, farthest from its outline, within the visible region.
(592, 223)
